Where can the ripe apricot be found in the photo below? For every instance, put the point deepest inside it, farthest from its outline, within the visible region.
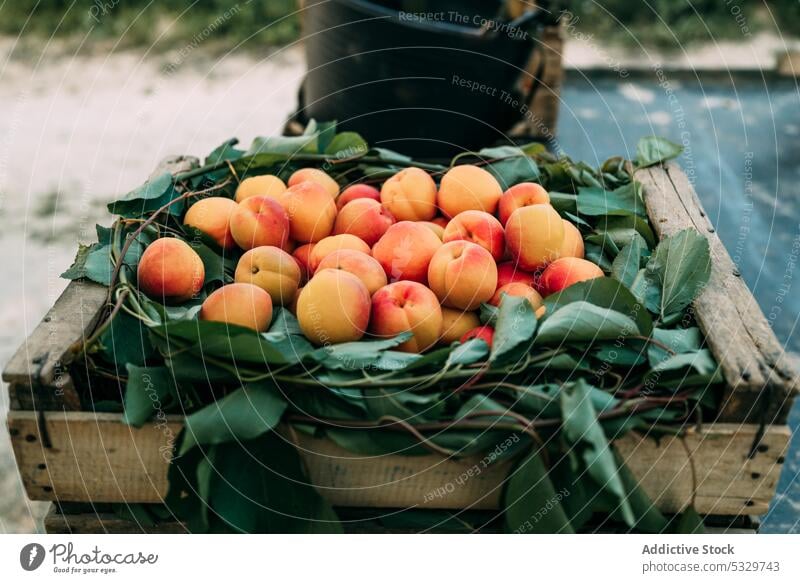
(534, 235)
(363, 266)
(311, 211)
(562, 273)
(405, 251)
(241, 304)
(259, 221)
(456, 323)
(480, 228)
(273, 270)
(410, 195)
(407, 306)
(170, 270)
(468, 188)
(265, 185)
(520, 195)
(212, 216)
(462, 275)
(365, 218)
(333, 307)
(318, 177)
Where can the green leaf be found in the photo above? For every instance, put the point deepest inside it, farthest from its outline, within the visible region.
(148, 391)
(679, 341)
(513, 165)
(582, 430)
(259, 486)
(225, 151)
(625, 200)
(516, 324)
(126, 341)
(472, 351)
(652, 150)
(243, 414)
(232, 343)
(286, 145)
(676, 273)
(530, 502)
(356, 355)
(627, 263)
(347, 145)
(604, 292)
(403, 403)
(149, 197)
(690, 522)
(584, 322)
(621, 230)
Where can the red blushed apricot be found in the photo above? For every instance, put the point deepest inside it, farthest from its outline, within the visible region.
(318, 177)
(311, 212)
(363, 266)
(509, 272)
(170, 270)
(441, 221)
(266, 185)
(456, 323)
(333, 307)
(562, 273)
(410, 195)
(357, 191)
(335, 243)
(485, 333)
(240, 304)
(303, 256)
(407, 306)
(573, 242)
(271, 269)
(212, 216)
(405, 251)
(480, 228)
(520, 290)
(520, 195)
(365, 218)
(468, 188)
(462, 275)
(259, 221)
(534, 235)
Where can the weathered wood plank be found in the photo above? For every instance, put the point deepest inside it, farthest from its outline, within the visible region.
(38, 373)
(97, 458)
(761, 380)
(56, 522)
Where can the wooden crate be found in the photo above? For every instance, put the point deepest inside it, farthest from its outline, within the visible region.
(68, 455)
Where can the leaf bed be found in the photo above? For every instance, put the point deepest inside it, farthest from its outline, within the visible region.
(610, 355)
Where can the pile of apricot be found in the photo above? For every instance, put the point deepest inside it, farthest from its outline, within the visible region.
(408, 257)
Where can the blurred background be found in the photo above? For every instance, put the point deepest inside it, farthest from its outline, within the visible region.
(94, 93)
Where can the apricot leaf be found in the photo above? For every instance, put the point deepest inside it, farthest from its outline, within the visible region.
(653, 150)
(516, 324)
(584, 322)
(243, 414)
(676, 273)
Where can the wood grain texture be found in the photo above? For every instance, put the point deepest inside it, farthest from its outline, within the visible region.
(38, 373)
(94, 457)
(761, 380)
